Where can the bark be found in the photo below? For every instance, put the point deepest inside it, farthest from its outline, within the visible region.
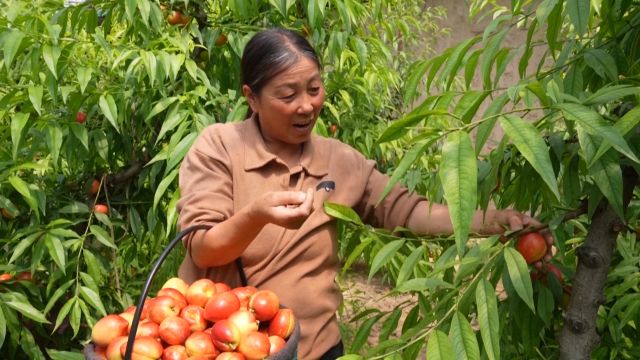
(579, 336)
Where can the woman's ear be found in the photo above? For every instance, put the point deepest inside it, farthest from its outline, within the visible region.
(251, 97)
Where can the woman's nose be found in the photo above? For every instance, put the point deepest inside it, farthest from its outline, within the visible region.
(305, 106)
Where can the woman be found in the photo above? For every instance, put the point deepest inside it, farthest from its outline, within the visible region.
(262, 183)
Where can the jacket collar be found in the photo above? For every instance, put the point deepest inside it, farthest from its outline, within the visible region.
(314, 159)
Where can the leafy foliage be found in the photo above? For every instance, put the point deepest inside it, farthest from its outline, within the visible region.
(100, 101)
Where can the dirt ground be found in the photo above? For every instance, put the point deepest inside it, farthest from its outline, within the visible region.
(358, 292)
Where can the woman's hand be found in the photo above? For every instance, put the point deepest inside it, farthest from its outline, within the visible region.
(501, 220)
(288, 209)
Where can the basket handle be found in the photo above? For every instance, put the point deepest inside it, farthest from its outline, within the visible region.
(154, 270)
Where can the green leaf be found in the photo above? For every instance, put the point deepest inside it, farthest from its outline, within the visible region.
(602, 63)
(363, 333)
(12, 41)
(545, 305)
(409, 264)
(162, 187)
(84, 76)
(628, 122)
(423, 284)
(150, 64)
(109, 109)
(544, 9)
(519, 275)
(18, 131)
(160, 106)
(75, 317)
(27, 310)
(93, 299)
(579, 14)
(35, 96)
(468, 105)
(489, 55)
(459, 174)
(593, 123)
(64, 355)
(401, 127)
(173, 119)
(64, 311)
(609, 93)
(409, 158)
(23, 188)
(75, 207)
(489, 121)
(80, 132)
(384, 255)
(439, 347)
(416, 72)
(56, 250)
(54, 142)
(102, 236)
(465, 344)
(51, 54)
(530, 144)
(607, 175)
(488, 319)
(179, 151)
(3, 327)
(23, 245)
(455, 59)
(342, 212)
(60, 290)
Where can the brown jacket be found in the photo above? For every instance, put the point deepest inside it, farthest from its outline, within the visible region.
(229, 166)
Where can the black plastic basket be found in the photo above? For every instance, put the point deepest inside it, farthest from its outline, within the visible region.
(289, 352)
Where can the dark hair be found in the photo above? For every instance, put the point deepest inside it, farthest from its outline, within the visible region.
(270, 52)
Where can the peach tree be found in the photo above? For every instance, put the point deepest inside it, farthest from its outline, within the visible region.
(560, 142)
(99, 102)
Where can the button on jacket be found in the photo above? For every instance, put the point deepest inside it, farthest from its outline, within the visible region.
(229, 165)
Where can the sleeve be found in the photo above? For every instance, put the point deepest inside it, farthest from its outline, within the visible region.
(206, 183)
(394, 209)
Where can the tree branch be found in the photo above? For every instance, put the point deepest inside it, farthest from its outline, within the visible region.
(579, 337)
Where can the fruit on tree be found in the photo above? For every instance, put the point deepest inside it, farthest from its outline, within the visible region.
(177, 18)
(81, 117)
(264, 304)
(221, 39)
(95, 187)
(254, 346)
(5, 277)
(6, 214)
(227, 355)
(108, 328)
(532, 246)
(101, 208)
(221, 305)
(333, 128)
(550, 268)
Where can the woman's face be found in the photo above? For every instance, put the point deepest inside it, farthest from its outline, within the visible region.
(289, 104)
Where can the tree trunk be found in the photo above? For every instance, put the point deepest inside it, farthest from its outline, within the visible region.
(579, 337)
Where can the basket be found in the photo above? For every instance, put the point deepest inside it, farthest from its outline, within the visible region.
(289, 352)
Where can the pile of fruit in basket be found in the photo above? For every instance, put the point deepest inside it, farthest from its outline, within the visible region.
(207, 320)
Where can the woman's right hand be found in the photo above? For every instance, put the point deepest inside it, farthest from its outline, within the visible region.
(288, 209)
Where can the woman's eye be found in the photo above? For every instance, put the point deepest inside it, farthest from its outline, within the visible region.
(288, 97)
(314, 90)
